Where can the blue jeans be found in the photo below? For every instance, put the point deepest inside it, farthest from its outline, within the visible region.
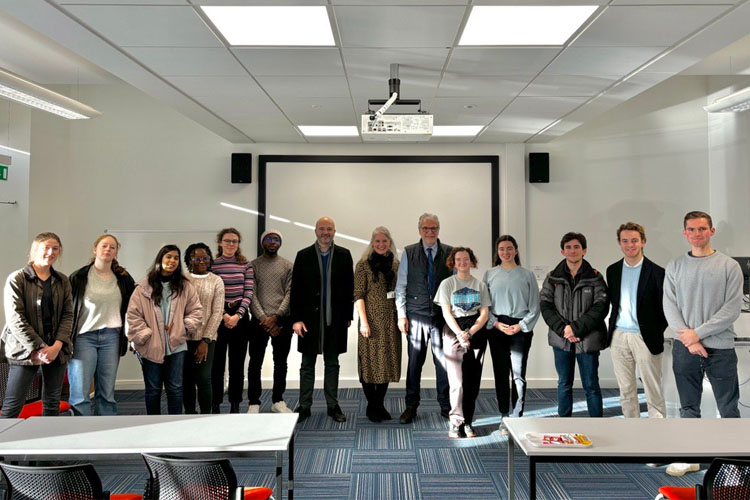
(588, 366)
(721, 369)
(168, 373)
(96, 357)
(424, 329)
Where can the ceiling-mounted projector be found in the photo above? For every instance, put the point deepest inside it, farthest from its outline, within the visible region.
(407, 127)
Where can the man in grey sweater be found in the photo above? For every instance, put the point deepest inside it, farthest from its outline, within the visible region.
(702, 300)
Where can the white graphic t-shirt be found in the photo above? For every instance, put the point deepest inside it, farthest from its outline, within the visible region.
(464, 297)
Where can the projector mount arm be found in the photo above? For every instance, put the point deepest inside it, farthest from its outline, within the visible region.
(394, 86)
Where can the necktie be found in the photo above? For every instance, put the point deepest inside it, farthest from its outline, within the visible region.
(430, 262)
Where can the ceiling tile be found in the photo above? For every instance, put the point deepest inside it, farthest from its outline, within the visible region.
(656, 25)
(500, 61)
(466, 110)
(501, 137)
(181, 61)
(319, 110)
(146, 26)
(400, 2)
(567, 85)
(408, 59)
(528, 115)
(415, 84)
(393, 26)
(601, 61)
(507, 86)
(304, 86)
(258, 2)
(120, 2)
(289, 62)
(269, 130)
(229, 97)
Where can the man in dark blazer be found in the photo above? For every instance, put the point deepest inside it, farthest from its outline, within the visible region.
(637, 323)
(322, 306)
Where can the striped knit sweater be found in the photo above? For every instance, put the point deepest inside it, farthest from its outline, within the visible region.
(238, 281)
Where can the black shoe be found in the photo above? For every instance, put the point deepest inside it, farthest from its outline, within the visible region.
(445, 413)
(304, 413)
(234, 408)
(408, 416)
(384, 415)
(336, 414)
(216, 409)
(374, 415)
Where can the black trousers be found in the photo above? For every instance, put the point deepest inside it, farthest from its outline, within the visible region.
(197, 375)
(257, 351)
(234, 342)
(510, 353)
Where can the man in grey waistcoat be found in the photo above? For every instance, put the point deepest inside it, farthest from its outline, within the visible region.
(420, 272)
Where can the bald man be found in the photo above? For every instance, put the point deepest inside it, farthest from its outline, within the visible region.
(322, 306)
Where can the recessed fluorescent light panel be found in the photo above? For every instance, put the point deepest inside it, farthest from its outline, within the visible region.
(282, 25)
(455, 130)
(329, 131)
(524, 24)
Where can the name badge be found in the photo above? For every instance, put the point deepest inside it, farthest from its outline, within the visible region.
(390, 295)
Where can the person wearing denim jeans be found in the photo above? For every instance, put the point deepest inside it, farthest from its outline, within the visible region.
(702, 300)
(574, 303)
(164, 311)
(101, 291)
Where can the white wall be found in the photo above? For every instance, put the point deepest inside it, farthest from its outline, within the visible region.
(14, 219)
(143, 166)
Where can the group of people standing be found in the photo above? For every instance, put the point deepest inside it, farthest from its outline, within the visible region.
(184, 324)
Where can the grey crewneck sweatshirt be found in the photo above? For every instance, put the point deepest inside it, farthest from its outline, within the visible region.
(705, 294)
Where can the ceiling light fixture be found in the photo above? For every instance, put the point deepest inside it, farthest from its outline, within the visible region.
(328, 130)
(524, 24)
(272, 25)
(30, 94)
(456, 130)
(733, 103)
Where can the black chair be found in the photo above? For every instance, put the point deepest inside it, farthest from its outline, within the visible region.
(725, 479)
(60, 482)
(174, 478)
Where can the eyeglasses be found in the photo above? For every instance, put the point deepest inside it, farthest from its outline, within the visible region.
(230, 242)
(429, 229)
(274, 239)
(201, 259)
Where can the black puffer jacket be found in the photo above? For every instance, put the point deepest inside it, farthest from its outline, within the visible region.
(583, 308)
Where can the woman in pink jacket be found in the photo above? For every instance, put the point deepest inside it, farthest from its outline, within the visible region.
(163, 310)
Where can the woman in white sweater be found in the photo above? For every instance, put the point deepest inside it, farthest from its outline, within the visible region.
(200, 358)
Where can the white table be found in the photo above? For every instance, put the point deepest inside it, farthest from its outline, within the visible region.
(637, 440)
(92, 437)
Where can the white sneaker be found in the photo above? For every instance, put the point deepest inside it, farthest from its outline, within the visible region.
(280, 407)
(680, 469)
(253, 409)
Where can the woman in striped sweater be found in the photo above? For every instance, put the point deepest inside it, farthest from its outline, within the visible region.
(234, 331)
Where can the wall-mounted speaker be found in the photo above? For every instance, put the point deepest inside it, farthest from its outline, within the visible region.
(538, 167)
(242, 168)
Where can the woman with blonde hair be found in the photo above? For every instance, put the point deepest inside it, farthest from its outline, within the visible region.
(379, 345)
(101, 292)
(39, 320)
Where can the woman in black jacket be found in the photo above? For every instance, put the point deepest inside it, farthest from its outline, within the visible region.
(39, 316)
(101, 291)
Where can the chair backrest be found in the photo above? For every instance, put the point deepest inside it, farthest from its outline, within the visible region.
(727, 479)
(174, 478)
(65, 482)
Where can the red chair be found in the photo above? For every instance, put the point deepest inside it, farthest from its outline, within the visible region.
(196, 479)
(61, 482)
(725, 479)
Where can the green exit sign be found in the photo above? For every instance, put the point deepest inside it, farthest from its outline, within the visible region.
(3, 172)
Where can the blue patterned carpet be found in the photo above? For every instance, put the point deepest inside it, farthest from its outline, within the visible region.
(363, 460)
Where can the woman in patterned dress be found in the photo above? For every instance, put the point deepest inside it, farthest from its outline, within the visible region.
(379, 346)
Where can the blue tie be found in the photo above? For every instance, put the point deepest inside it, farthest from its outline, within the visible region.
(430, 278)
